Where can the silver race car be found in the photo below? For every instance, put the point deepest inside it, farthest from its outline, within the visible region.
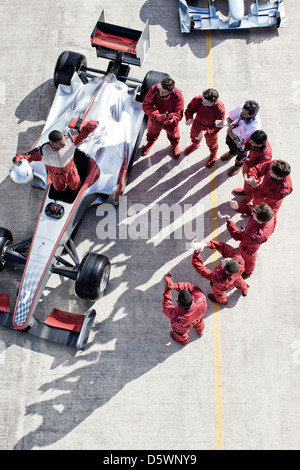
(261, 15)
(104, 160)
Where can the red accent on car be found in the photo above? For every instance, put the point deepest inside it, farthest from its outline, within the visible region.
(4, 303)
(114, 42)
(65, 320)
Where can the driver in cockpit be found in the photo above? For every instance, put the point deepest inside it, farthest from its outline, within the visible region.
(58, 157)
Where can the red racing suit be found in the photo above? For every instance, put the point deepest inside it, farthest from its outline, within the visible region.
(60, 164)
(254, 158)
(221, 281)
(270, 191)
(251, 238)
(155, 107)
(183, 319)
(205, 121)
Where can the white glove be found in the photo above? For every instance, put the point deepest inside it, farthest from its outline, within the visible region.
(252, 181)
(234, 205)
(220, 123)
(198, 246)
(200, 135)
(225, 216)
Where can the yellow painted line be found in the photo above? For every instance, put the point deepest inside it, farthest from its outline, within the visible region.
(215, 262)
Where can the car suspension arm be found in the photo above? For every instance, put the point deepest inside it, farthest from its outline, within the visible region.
(16, 252)
(68, 269)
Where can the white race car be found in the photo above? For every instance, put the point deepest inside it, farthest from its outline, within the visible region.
(261, 15)
(103, 160)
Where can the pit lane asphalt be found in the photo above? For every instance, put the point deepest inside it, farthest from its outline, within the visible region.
(134, 388)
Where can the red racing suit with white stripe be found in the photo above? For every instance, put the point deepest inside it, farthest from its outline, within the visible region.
(60, 164)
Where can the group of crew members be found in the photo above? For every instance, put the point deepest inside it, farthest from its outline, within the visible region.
(267, 182)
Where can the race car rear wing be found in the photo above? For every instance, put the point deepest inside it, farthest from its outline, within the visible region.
(111, 40)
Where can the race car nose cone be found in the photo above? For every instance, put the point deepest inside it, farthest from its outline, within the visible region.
(236, 8)
(21, 172)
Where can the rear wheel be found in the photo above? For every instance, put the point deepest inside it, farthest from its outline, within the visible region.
(5, 240)
(67, 63)
(93, 276)
(151, 78)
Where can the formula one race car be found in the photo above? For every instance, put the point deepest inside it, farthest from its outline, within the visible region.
(103, 162)
(270, 14)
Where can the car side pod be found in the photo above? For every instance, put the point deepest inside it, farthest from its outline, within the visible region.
(66, 328)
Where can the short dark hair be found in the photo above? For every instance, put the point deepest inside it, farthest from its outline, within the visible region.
(252, 107)
(211, 95)
(231, 266)
(185, 298)
(281, 168)
(55, 136)
(259, 137)
(168, 83)
(263, 212)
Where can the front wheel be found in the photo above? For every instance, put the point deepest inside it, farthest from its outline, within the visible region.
(93, 276)
(5, 240)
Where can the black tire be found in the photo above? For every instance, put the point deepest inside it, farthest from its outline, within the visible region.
(151, 78)
(67, 63)
(5, 240)
(93, 276)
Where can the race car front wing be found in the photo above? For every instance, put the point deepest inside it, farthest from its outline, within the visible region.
(261, 16)
(66, 328)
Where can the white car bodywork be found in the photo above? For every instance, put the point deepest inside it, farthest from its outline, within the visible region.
(103, 160)
(120, 117)
(261, 15)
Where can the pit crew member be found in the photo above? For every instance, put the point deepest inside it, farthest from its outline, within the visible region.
(191, 306)
(209, 110)
(259, 228)
(164, 104)
(226, 275)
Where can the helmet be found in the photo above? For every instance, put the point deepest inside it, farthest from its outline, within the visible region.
(21, 172)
